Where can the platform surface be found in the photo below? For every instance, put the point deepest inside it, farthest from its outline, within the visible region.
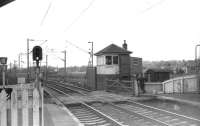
(57, 116)
(191, 98)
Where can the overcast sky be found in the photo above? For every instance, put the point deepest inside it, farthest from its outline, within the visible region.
(154, 29)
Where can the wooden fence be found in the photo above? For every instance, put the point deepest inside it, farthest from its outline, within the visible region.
(23, 108)
(129, 87)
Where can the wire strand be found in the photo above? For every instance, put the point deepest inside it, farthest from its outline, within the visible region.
(79, 16)
(81, 49)
(46, 13)
(152, 6)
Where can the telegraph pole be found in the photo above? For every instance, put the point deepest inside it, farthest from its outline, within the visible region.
(65, 69)
(46, 66)
(19, 61)
(14, 67)
(28, 60)
(3, 61)
(91, 53)
(10, 67)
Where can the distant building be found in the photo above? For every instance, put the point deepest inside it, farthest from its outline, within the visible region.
(136, 66)
(191, 67)
(157, 75)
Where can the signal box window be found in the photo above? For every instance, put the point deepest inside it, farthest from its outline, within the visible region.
(115, 59)
(108, 60)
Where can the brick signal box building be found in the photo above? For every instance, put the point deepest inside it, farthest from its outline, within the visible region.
(114, 62)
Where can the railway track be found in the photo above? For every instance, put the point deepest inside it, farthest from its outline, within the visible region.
(137, 114)
(160, 115)
(68, 86)
(124, 116)
(86, 114)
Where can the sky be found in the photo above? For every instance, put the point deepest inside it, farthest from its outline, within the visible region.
(154, 29)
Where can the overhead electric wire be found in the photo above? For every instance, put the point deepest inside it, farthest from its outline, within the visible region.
(43, 43)
(81, 49)
(79, 16)
(52, 52)
(56, 56)
(45, 15)
(152, 6)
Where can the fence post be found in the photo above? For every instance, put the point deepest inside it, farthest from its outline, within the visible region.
(182, 85)
(3, 106)
(163, 87)
(14, 114)
(36, 118)
(25, 115)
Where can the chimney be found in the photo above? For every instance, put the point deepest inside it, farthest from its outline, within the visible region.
(124, 45)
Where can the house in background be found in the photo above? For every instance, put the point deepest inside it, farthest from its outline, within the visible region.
(157, 75)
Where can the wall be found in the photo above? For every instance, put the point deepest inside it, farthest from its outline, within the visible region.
(124, 66)
(156, 76)
(150, 87)
(102, 68)
(108, 69)
(91, 78)
(183, 84)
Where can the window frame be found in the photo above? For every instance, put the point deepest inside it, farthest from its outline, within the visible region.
(107, 62)
(116, 60)
(112, 60)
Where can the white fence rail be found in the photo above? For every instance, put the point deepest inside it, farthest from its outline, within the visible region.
(23, 107)
(183, 84)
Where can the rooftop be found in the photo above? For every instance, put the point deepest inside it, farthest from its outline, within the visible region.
(112, 48)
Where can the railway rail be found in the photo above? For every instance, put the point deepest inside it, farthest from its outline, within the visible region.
(166, 117)
(69, 86)
(134, 113)
(86, 114)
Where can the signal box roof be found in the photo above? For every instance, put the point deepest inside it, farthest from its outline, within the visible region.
(112, 49)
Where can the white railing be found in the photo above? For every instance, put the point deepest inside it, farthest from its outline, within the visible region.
(15, 111)
(189, 83)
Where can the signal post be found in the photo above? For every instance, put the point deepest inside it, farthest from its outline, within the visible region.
(37, 57)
